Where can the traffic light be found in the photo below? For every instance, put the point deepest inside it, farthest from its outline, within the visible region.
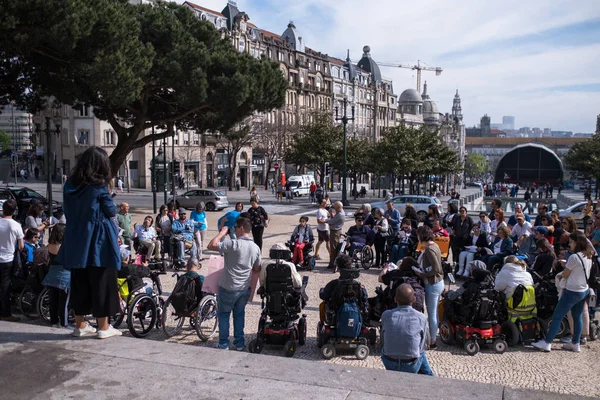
(177, 168)
(327, 169)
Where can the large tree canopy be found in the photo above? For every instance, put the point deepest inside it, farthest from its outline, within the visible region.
(138, 66)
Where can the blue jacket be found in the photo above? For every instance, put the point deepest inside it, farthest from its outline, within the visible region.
(231, 216)
(90, 236)
(199, 219)
(506, 248)
(185, 228)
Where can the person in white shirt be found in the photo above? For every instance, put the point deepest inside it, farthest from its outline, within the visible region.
(521, 230)
(11, 236)
(148, 238)
(574, 282)
(512, 274)
(322, 228)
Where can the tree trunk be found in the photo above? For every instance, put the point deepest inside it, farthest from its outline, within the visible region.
(267, 173)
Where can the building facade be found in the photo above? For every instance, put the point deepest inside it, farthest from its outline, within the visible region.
(18, 125)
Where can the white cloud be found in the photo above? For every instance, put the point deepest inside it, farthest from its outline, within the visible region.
(523, 78)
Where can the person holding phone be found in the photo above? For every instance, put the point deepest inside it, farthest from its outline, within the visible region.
(37, 220)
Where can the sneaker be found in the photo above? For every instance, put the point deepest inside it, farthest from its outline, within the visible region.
(583, 340)
(317, 257)
(240, 348)
(59, 326)
(542, 345)
(110, 332)
(566, 339)
(11, 318)
(574, 347)
(88, 330)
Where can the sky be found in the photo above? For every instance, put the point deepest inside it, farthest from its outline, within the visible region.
(537, 60)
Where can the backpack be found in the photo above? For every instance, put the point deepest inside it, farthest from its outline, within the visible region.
(349, 320)
(184, 296)
(419, 303)
(593, 280)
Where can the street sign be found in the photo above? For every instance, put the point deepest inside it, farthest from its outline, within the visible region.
(276, 166)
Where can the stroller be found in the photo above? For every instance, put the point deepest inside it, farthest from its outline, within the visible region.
(343, 327)
(546, 299)
(471, 315)
(280, 323)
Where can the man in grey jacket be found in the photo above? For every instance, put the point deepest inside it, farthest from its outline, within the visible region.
(336, 224)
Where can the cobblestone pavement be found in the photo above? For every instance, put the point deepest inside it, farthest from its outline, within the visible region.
(558, 371)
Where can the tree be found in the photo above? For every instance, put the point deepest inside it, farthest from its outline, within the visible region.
(139, 66)
(476, 165)
(584, 157)
(317, 142)
(270, 140)
(5, 142)
(359, 152)
(232, 141)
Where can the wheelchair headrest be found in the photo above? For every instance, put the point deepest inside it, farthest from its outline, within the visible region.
(279, 277)
(349, 274)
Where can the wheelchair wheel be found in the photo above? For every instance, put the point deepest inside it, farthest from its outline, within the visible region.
(361, 352)
(366, 257)
(289, 348)
(446, 332)
(27, 303)
(43, 305)
(328, 351)
(206, 317)
(471, 347)
(172, 322)
(499, 346)
(255, 347)
(142, 315)
(511, 332)
(302, 331)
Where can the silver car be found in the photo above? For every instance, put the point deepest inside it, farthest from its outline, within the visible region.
(420, 202)
(213, 199)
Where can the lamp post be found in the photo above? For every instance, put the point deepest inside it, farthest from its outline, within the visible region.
(153, 173)
(49, 133)
(345, 119)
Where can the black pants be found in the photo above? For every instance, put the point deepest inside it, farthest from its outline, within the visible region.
(95, 291)
(257, 234)
(59, 306)
(5, 275)
(380, 255)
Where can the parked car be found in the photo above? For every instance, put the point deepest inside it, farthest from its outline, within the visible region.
(23, 196)
(213, 199)
(420, 202)
(575, 211)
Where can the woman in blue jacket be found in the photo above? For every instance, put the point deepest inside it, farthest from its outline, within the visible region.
(503, 246)
(199, 218)
(90, 248)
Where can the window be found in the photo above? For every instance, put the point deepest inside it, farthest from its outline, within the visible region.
(280, 56)
(252, 51)
(83, 137)
(110, 138)
(270, 54)
(291, 58)
(65, 136)
(133, 164)
(242, 46)
(317, 66)
(84, 111)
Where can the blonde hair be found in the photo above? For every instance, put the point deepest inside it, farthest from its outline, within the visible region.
(515, 260)
(367, 207)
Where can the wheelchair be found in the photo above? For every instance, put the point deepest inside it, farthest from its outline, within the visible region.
(307, 253)
(330, 333)
(280, 322)
(361, 254)
(174, 250)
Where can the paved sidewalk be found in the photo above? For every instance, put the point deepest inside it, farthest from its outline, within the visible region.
(47, 363)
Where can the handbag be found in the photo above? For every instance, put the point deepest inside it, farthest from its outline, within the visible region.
(20, 269)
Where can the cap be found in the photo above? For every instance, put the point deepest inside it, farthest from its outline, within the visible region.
(124, 253)
(182, 210)
(541, 229)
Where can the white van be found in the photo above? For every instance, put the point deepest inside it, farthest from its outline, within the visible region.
(301, 184)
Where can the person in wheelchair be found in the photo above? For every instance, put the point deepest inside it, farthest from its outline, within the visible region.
(405, 242)
(357, 235)
(131, 274)
(183, 229)
(276, 250)
(145, 237)
(302, 238)
(328, 294)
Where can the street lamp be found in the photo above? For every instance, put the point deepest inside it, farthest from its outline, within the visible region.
(344, 120)
(48, 132)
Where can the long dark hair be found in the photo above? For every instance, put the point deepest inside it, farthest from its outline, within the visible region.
(93, 168)
(581, 244)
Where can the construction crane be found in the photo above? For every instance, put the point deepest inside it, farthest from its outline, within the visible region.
(417, 67)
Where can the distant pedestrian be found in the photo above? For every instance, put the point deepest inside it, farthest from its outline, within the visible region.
(90, 246)
(36, 172)
(120, 185)
(22, 174)
(336, 220)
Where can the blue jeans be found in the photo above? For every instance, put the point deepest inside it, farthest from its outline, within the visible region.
(432, 298)
(420, 366)
(228, 301)
(193, 252)
(569, 301)
(398, 252)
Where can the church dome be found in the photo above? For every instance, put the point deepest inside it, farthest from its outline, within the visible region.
(410, 96)
(291, 36)
(430, 108)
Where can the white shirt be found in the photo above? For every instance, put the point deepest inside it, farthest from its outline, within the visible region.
(10, 233)
(322, 214)
(495, 225)
(519, 230)
(576, 282)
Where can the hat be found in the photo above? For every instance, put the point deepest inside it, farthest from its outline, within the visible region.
(476, 265)
(124, 253)
(541, 229)
(182, 210)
